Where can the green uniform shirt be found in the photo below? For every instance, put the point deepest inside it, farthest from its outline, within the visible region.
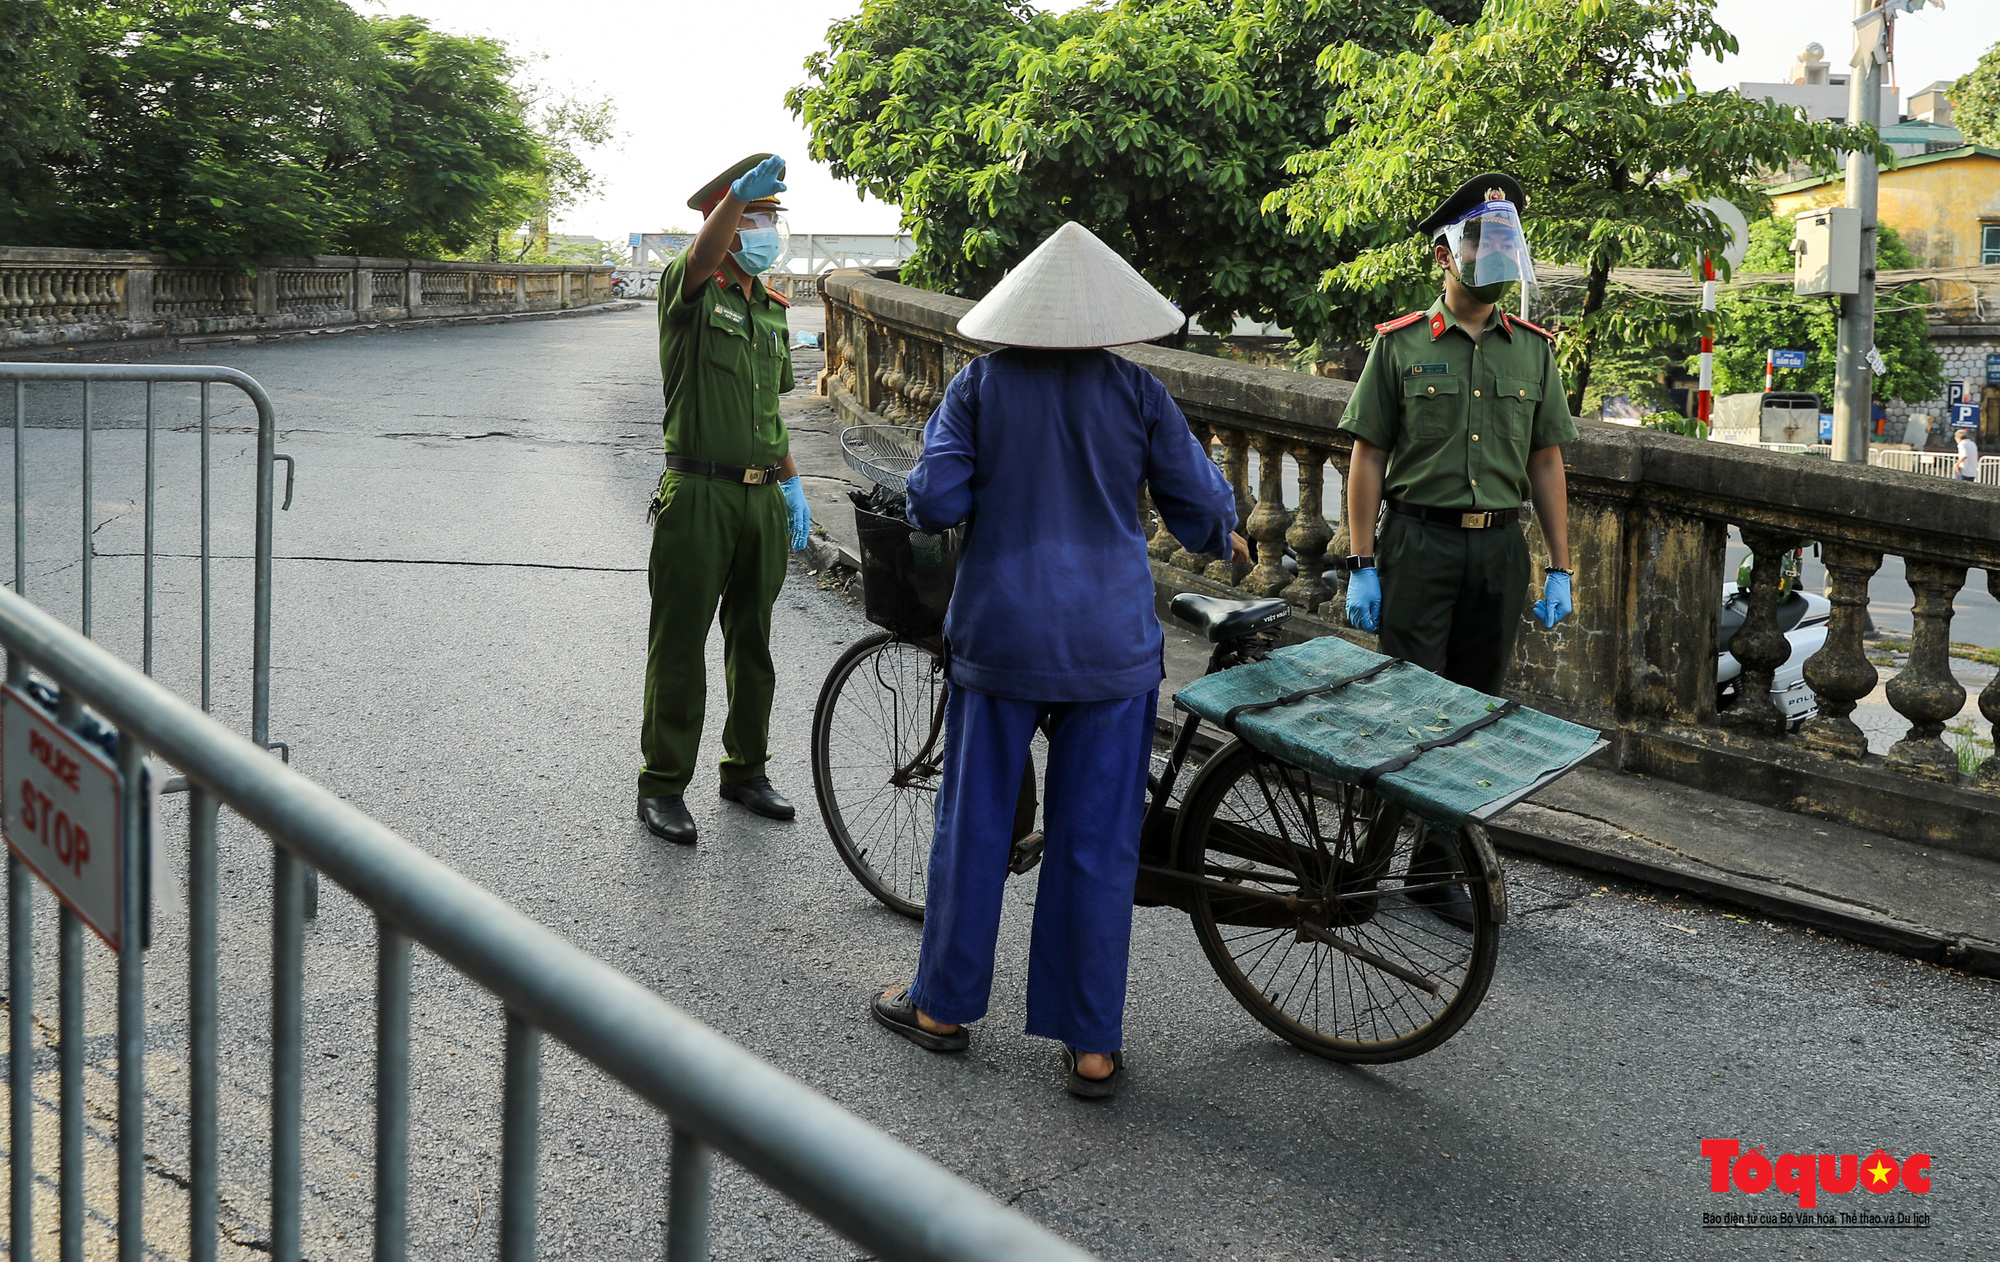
(1458, 417)
(724, 360)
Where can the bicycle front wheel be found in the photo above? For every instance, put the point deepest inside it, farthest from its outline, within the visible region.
(1357, 942)
(877, 757)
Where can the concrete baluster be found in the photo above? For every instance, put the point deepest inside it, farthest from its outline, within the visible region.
(1988, 776)
(1840, 673)
(1925, 691)
(1236, 468)
(1343, 538)
(1309, 534)
(1269, 520)
(1760, 646)
(1181, 558)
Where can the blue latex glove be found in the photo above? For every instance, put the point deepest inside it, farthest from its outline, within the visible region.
(763, 180)
(801, 516)
(1555, 604)
(1364, 600)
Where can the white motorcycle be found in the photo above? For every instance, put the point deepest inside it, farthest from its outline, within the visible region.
(1802, 616)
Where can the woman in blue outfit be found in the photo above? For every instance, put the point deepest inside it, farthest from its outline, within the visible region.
(1042, 447)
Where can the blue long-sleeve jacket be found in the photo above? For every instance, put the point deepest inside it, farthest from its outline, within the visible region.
(1043, 453)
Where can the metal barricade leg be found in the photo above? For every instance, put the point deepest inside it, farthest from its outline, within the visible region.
(520, 1135)
(21, 1057)
(131, 1010)
(690, 1191)
(146, 650)
(89, 543)
(392, 1094)
(203, 909)
(69, 1103)
(287, 1068)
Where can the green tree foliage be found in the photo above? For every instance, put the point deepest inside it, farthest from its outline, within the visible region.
(226, 128)
(1591, 105)
(1769, 317)
(1158, 124)
(1975, 101)
(444, 152)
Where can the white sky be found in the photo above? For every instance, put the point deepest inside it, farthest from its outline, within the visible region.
(700, 84)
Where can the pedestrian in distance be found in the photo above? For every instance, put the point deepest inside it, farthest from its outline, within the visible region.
(1967, 468)
(729, 503)
(1458, 419)
(1043, 447)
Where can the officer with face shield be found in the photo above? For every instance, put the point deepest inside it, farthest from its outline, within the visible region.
(729, 503)
(1457, 421)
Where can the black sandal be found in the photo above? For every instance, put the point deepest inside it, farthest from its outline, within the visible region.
(897, 1013)
(1092, 1088)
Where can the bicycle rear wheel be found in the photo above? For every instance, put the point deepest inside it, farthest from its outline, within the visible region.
(877, 756)
(1332, 935)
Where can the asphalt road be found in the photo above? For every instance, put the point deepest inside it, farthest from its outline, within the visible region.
(460, 614)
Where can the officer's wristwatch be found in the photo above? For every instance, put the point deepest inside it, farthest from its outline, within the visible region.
(1354, 563)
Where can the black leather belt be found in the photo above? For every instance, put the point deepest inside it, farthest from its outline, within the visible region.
(1457, 516)
(727, 472)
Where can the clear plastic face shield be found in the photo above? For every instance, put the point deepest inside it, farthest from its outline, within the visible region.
(762, 237)
(1489, 251)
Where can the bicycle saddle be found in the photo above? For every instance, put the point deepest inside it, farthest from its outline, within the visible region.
(1220, 620)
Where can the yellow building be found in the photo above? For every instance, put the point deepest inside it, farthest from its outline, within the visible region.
(1945, 206)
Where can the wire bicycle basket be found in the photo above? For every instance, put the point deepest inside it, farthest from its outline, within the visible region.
(884, 454)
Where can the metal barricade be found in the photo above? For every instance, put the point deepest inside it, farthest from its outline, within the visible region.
(150, 375)
(718, 1097)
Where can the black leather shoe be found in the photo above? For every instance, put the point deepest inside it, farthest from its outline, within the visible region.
(760, 797)
(667, 818)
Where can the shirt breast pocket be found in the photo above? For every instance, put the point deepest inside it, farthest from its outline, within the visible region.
(1430, 406)
(728, 339)
(1518, 398)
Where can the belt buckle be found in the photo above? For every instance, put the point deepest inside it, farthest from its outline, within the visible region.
(1474, 521)
(753, 477)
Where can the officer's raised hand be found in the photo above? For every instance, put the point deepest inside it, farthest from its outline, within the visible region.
(766, 179)
(1555, 603)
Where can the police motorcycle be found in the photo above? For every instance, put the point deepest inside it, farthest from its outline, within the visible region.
(1317, 810)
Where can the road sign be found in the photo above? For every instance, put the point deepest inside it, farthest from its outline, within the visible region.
(1826, 427)
(1965, 416)
(63, 808)
(1993, 370)
(1954, 393)
(1788, 359)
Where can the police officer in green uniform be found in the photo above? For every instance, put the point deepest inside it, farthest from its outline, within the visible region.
(1457, 420)
(729, 502)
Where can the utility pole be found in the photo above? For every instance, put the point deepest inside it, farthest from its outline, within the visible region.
(1853, 382)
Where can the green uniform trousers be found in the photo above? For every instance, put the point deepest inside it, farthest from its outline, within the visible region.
(1452, 599)
(714, 542)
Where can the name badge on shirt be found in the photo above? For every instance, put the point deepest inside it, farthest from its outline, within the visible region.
(1425, 370)
(729, 313)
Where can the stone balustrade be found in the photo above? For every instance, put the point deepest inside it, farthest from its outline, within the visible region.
(62, 297)
(1650, 519)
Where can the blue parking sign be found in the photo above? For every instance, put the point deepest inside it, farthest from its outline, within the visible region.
(1954, 393)
(1788, 359)
(1826, 427)
(1965, 415)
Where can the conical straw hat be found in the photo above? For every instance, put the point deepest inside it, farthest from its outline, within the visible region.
(1073, 291)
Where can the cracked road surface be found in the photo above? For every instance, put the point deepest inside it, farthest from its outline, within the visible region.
(458, 645)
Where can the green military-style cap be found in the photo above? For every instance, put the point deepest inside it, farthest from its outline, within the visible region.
(1469, 195)
(711, 193)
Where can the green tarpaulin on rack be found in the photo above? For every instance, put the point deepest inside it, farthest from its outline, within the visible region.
(1342, 735)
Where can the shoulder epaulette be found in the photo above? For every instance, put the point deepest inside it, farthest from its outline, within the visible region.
(776, 297)
(1532, 328)
(1399, 322)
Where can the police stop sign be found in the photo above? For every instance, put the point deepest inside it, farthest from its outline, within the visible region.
(62, 799)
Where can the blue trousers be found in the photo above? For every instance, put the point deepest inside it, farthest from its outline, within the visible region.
(1095, 801)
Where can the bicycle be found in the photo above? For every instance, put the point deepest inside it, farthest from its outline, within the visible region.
(1345, 925)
